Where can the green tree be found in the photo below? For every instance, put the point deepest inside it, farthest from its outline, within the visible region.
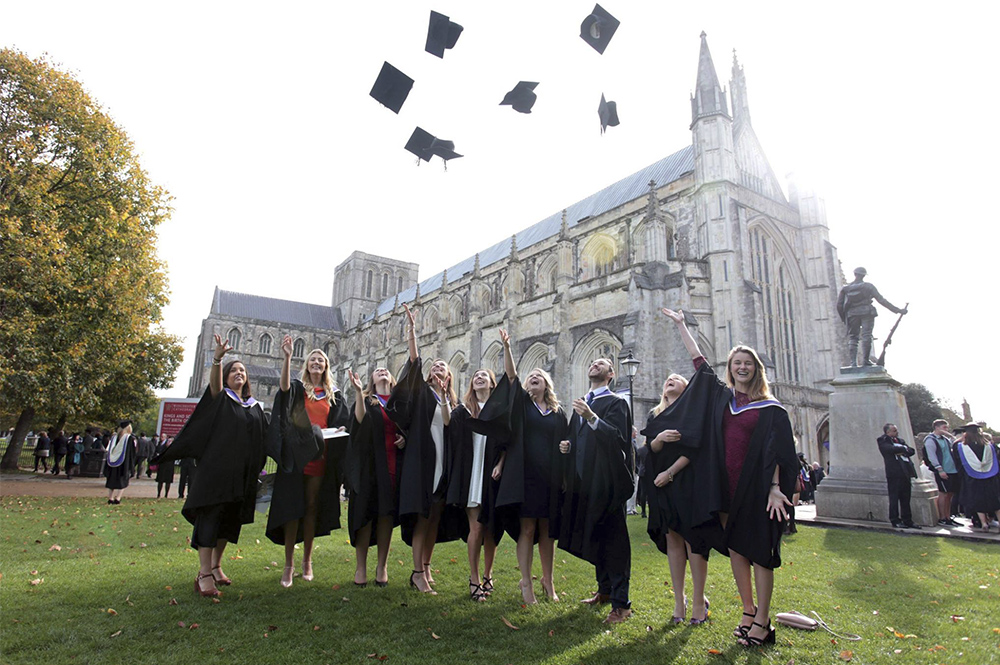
(922, 406)
(81, 288)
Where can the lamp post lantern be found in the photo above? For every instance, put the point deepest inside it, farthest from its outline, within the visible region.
(631, 365)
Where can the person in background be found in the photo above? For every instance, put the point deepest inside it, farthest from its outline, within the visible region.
(942, 463)
(74, 456)
(187, 465)
(899, 471)
(981, 485)
(43, 448)
(142, 454)
(59, 448)
(164, 471)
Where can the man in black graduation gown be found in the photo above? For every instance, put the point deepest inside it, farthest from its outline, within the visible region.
(599, 483)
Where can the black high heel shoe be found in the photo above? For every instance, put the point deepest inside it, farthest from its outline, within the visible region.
(750, 641)
(414, 584)
(741, 631)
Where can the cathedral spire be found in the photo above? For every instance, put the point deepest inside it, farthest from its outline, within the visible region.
(709, 98)
(738, 92)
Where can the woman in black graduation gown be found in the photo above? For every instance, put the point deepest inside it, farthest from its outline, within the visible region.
(979, 464)
(120, 458)
(371, 469)
(421, 408)
(226, 435)
(305, 503)
(529, 498)
(164, 472)
(746, 476)
(673, 435)
(477, 437)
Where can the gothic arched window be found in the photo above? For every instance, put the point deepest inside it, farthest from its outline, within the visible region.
(235, 337)
(368, 287)
(264, 344)
(299, 348)
(385, 284)
(770, 270)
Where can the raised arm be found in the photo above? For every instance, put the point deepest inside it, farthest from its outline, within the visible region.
(286, 370)
(508, 358)
(411, 333)
(689, 343)
(222, 347)
(359, 398)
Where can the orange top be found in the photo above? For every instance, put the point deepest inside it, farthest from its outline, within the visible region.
(318, 411)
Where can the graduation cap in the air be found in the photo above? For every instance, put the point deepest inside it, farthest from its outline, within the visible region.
(598, 28)
(425, 145)
(522, 97)
(442, 33)
(391, 87)
(608, 112)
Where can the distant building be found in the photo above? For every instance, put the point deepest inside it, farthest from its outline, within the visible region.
(707, 229)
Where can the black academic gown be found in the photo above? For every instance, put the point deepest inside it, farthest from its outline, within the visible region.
(118, 476)
(670, 506)
(749, 529)
(227, 439)
(494, 423)
(510, 493)
(599, 477)
(300, 443)
(411, 406)
(370, 489)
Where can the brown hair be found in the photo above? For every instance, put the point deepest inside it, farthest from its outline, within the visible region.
(550, 397)
(470, 400)
(246, 392)
(759, 387)
(369, 391)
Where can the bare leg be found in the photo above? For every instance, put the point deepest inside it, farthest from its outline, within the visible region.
(744, 585)
(699, 573)
(764, 580)
(361, 540)
(291, 532)
(206, 582)
(546, 554)
(383, 537)
(525, 549)
(489, 552)
(217, 552)
(418, 578)
(430, 539)
(312, 487)
(677, 556)
(475, 543)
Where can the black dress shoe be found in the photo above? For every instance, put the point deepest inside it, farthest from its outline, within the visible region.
(911, 525)
(897, 525)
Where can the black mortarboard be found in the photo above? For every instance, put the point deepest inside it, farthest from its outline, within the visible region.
(442, 34)
(598, 28)
(521, 98)
(425, 145)
(608, 113)
(391, 87)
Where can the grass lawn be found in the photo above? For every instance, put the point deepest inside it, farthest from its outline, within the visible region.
(105, 578)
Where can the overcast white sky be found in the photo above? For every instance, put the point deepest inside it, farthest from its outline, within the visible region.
(256, 117)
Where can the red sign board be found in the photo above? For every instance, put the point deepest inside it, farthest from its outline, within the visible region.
(174, 413)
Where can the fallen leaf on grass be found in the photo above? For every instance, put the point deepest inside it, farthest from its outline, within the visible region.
(335, 587)
(714, 652)
(173, 601)
(846, 654)
(34, 572)
(37, 581)
(649, 629)
(271, 629)
(996, 630)
(193, 626)
(112, 612)
(509, 624)
(552, 633)
(436, 637)
(897, 651)
(181, 624)
(168, 588)
(315, 627)
(955, 618)
(55, 548)
(116, 633)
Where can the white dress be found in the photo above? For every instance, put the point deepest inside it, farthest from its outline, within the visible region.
(478, 459)
(437, 434)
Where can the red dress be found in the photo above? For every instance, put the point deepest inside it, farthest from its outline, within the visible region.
(318, 411)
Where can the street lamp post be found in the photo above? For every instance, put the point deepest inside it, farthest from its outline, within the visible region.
(631, 365)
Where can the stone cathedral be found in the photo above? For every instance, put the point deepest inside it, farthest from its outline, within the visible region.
(707, 229)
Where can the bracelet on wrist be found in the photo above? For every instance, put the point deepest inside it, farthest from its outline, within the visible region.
(216, 361)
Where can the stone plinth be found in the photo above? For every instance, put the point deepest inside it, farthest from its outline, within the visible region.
(863, 400)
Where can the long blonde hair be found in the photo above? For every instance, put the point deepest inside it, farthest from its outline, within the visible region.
(451, 396)
(550, 397)
(470, 400)
(369, 391)
(658, 409)
(325, 381)
(759, 387)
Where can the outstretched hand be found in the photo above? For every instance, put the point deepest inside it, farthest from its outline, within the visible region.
(222, 347)
(410, 314)
(675, 316)
(355, 381)
(286, 346)
(504, 337)
(776, 502)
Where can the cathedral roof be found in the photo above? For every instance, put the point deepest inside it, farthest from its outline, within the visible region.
(627, 189)
(248, 306)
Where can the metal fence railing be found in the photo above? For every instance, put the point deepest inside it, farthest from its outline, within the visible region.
(26, 460)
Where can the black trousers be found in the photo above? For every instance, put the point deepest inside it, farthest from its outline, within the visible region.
(899, 500)
(55, 463)
(43, 460)
(185, 481)
(614, 564)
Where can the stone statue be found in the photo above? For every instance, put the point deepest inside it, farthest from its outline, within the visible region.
(856, 310)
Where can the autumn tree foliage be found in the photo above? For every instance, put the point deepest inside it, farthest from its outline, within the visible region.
(81, 288)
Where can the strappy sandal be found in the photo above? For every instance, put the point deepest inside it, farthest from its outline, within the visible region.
(307, 571)
(487, 585)
(427, 572)
(749, 641)
(414, 584)
(211, 593)
(476, 592)
(224, 581)
(741, 630)
(290, 572)
(680, 619)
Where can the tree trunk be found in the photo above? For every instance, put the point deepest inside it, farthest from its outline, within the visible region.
(13, 452)
(61, 425)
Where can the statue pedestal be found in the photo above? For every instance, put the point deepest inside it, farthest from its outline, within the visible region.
(864, 399)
